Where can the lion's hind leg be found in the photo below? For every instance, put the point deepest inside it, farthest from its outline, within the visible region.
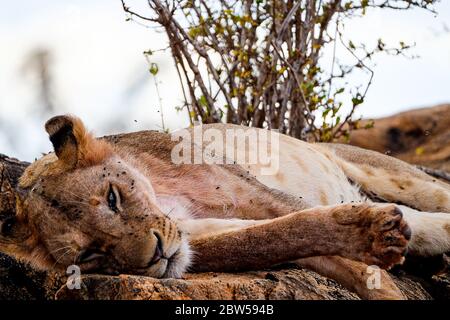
(390, 179)
(369, 282)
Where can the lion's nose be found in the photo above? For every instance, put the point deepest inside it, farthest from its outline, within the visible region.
(158, 250)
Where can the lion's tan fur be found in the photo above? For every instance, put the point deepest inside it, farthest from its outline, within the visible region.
(66, 205)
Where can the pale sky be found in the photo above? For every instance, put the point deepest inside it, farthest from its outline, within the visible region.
(100, 74)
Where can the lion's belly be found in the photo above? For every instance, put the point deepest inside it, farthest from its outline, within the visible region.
(306, 172)
(296, 167)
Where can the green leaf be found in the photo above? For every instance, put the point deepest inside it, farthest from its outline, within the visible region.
(339, 91)
(202, 101)
(370, 124)
(351, 45)
(357, 100)
(338, 120)
(153, 68)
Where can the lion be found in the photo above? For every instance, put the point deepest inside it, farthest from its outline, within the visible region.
(119, 204)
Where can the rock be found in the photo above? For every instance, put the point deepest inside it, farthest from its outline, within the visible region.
(282, 284)
(19, 281)
(418, 136)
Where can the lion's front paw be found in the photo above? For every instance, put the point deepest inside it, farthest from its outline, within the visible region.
(388, 236)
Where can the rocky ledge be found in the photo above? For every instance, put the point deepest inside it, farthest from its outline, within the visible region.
(19, 281)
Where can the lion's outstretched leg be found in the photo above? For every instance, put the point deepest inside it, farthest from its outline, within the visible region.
(430, 231)
(371, 233)
(368, 282)
(197, 228)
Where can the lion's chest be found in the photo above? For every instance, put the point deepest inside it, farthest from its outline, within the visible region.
(176, 207)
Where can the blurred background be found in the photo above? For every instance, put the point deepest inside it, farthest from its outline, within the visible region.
(83, 57)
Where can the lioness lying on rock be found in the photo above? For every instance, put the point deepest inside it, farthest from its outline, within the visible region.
(120, 204)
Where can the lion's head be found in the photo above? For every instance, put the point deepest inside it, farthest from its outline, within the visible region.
(89, 206)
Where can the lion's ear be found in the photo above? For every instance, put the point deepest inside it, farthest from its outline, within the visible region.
(72, 143)
(62, 135)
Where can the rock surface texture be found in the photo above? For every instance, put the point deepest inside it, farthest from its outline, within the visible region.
(18, 281)
(420, 137)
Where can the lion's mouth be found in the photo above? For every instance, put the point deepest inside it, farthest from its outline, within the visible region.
(158, 266)
(158, 255)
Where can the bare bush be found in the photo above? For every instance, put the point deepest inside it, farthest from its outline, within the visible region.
(257, 62)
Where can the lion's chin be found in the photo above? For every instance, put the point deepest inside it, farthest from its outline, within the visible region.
(159, 269)
(176, 265)
(180, 261)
